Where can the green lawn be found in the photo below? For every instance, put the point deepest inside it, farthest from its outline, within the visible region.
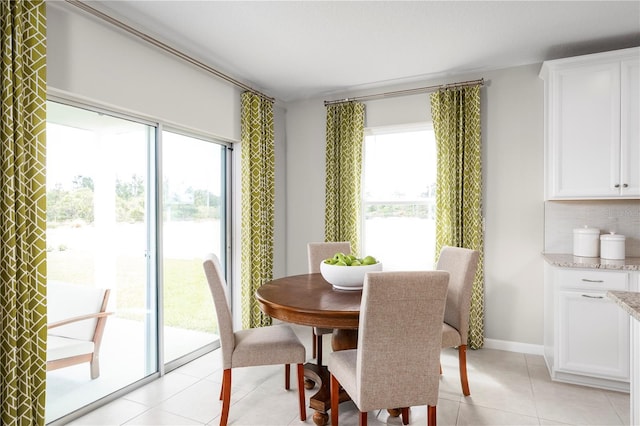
(187, 301)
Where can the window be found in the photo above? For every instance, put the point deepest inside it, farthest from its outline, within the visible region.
(398, 202)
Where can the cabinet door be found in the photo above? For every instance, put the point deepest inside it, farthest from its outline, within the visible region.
(630, 128)
(593, 335)
(585, 131)
(635, 371)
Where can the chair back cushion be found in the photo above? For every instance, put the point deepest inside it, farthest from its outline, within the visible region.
(65, 301)
(461, 263)
(219, 292)
(399, 339)
(317, 252)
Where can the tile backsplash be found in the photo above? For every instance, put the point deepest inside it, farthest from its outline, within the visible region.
(619, 216)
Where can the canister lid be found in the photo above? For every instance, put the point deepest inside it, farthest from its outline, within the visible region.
(586, 230)
(612, 237)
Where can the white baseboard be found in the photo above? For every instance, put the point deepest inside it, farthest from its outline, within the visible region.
(505, 345)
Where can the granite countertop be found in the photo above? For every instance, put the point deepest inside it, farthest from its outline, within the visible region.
(571, 261)
(628, 300)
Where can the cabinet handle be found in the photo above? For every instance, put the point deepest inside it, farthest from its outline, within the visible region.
(593, 297)
(592, 281)
(617, 185)
(625, 185)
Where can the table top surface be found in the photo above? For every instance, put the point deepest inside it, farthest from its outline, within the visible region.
(308, 299)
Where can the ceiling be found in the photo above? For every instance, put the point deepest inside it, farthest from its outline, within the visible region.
(292, 50)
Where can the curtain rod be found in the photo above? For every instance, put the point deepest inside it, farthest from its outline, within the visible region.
(427, 89)
(165, 47)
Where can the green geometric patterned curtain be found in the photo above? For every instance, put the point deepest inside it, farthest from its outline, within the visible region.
(23, 313)
(258, 175)
(345, 135)
(456, 122)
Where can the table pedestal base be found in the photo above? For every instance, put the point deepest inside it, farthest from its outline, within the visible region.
(321, 400)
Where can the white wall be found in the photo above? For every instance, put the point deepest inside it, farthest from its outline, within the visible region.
(512, 138)
(92, 59)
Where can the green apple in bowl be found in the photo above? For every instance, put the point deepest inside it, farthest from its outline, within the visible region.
(369, 260)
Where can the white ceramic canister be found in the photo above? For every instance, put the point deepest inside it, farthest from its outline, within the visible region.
(586, 242)
(612, 246)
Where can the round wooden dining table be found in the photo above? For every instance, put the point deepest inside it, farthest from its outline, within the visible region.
(310, 300)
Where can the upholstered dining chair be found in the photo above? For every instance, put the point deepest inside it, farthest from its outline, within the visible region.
(317, 252)
(461, 263)
(272, 345)
(397, 361)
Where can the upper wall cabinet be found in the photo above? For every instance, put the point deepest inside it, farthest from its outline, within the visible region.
(592, 126)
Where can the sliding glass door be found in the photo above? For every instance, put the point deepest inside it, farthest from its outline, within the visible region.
(98, 237)
(134, 211)
(193, 224)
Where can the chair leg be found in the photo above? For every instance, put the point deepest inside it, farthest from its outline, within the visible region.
(462, 360)
(363, 418)
(405, 415)
(319, 349)
(313, 343)
(335, 400)
(95, 366)
(431, 415)
(222, 387)
(226, 396)
(287, 376)
(303, 408)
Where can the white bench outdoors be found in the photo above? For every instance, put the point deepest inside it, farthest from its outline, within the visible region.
(76, 320)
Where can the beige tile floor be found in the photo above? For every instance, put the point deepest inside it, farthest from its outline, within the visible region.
(507, 388)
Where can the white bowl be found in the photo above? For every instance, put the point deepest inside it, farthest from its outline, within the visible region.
(347, 277)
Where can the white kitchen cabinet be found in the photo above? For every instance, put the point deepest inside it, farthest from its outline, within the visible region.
(635, 360)
(592, 126)
(635, 371)
(593, 335)
(630, 126)
(586, 333)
